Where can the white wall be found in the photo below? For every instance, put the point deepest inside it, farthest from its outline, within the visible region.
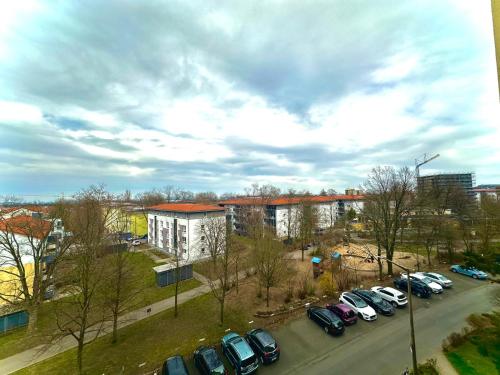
(192, 248)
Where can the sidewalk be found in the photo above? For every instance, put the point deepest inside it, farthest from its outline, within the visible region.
(444, 366)
(37, 354)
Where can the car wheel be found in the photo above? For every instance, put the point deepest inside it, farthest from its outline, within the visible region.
(326, 329)
(474, 276)
(393, 303)
(309, 315)
(453, 270)
(419, 294)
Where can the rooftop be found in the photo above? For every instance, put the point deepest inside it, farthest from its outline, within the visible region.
(283, 201)
(185, 207)
(26, 225)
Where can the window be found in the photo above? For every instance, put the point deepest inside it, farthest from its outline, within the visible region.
(184, 240)
(202, 227)
(202, 249)
(203, 238)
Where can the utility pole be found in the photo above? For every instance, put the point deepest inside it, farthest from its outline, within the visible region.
(413, 347)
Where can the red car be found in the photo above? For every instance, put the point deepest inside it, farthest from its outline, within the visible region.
(344, 312)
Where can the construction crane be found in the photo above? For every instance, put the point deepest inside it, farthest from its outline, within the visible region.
(423, 160)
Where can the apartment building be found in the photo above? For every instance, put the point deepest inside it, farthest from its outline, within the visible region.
(282, 213)
(179, 228)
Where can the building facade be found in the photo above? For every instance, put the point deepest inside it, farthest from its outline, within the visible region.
(178, 228)
(464, 181)
(283, 214)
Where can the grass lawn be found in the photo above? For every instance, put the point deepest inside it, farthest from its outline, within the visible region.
(480, 353)
(150, 341)
(17, 340)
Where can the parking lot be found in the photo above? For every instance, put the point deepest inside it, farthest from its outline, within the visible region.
(380, 347)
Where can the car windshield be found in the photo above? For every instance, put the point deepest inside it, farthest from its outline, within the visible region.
(358, 301)
(376, 298)
(218, 371)
(442, 278)
(248, 361)
(334, 318)
(212, 359)
(426, 280)
(349, 313)
(266, 340)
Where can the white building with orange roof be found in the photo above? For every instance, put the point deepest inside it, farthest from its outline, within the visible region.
(180, 227)
(282, 213)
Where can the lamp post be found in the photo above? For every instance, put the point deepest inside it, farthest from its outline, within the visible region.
(413, 348)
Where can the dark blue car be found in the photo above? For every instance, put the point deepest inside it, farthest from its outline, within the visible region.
(418, 288)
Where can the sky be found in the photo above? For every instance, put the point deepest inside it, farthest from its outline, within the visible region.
(211, 95)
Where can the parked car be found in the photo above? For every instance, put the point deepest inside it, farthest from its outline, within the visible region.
(359, 306)
(435, 287)
(374, 300)
(207, 361)
(391, 295)
(330, 322)
(417, 287)
(174, 366)
(438, 278)
(136, 243)
(50, 292)
(469, 271)
(239, 354)
(344, 312)
(264, 345)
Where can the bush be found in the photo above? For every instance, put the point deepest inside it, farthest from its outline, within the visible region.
(327, 286)
(427, 368)
(454, 340)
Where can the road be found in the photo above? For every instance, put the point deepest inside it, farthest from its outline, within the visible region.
(381, 347)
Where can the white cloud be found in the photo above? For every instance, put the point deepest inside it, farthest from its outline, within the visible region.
(15, 112)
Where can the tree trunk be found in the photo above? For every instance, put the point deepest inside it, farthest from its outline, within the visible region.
(222, 311)
(33, 318)
(175, 299)
(115, 328)
(267, 296)
(79, 354)
(389, 268)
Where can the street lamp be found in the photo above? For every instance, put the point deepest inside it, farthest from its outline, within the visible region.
(413, 348)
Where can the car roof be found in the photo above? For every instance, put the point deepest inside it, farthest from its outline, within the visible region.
(229, 336)
(392, 290)
(211, 357)
(263, 336)
(241, 347)
(175, 365)
(343, 307)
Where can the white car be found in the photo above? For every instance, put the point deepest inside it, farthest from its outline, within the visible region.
(136, 243)
(394, 296)
(438, 278)
(435, 287)
(359, 306)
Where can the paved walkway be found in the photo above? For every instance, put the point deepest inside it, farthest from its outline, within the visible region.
(444, 366)
(37, 354)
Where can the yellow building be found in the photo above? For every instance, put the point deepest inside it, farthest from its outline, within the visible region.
(128, 219)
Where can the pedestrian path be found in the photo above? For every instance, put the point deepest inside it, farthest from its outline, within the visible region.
(37, 354)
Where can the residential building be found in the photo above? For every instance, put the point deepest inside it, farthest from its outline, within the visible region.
(282, 213)
(444, 181)
(178, 228)
(128, 218)
(24, 233)
(482, 191)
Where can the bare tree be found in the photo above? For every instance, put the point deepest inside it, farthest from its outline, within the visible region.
(388, 196)
(121, 286)
(268, 261)
(206, 197)
(213, 235)
(307, 221)
(25, 244)
(83, 313)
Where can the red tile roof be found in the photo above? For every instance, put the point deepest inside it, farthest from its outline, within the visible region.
(185, 207)
(26, 225)
(257, 201)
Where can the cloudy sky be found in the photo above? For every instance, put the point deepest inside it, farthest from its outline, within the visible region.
(212, 95)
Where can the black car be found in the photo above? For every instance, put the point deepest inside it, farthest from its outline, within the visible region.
(374, 300)
(174, 366)
(418, 288)
(264, 345)
(208, 362)
(326, 319)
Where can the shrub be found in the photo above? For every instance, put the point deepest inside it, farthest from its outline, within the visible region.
(327, 286)
(452, 341)
(427, 368)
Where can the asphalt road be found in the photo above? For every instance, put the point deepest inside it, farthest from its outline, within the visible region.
(381, 347)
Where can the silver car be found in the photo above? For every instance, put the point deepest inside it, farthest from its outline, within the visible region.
(438, 278)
